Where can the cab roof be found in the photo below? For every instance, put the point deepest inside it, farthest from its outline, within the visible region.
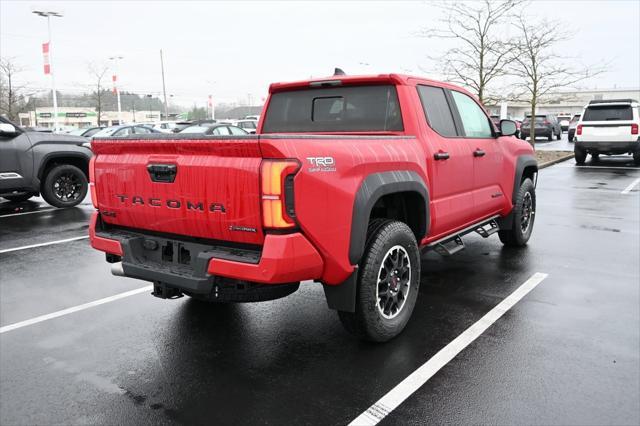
(344, 80)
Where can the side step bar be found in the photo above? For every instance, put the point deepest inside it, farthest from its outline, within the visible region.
(452, 244)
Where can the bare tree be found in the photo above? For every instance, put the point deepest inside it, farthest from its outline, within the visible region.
(11, 92)
(482, 53)
(98, 71)
(539, 72)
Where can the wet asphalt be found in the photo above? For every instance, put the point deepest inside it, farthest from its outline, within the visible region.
(568, 353)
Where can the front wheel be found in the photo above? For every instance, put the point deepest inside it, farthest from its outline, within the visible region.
(524, 210)
(388, 282)
(64, 186)
(636, 157)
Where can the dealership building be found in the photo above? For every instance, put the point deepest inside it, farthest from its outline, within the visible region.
(565, 103)
(80, 117)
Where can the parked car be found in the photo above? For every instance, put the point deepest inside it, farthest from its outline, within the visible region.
(164, 126)
(608, 127)
(125, 130)
(180, 125)
(252, 117)
(249, 125)
(33, 163)
(220, 129)
(546, 125)
(572, 127)
(87, 132)
(564, 122)
(496, 121)
(345, 185)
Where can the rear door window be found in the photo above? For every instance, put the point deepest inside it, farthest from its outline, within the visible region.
(608, 113)
(335, 109)
(474, 121)
(437, 111)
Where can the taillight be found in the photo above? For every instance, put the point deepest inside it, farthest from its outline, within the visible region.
(277, 193)
(579, 130)
(546, 122)
(634, 129)
(92, 180)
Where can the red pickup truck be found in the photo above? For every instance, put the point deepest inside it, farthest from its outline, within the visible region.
(347, 179)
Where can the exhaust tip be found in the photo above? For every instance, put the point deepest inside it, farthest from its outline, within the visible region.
(116, 269)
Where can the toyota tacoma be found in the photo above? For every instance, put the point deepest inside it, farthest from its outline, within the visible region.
(347, 181)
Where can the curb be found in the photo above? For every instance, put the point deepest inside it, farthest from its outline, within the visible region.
(556, 161)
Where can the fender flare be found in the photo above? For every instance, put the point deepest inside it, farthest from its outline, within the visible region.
(372, 188)
(60, 154)
(522, 163)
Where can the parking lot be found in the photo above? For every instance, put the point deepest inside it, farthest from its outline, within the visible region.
(566, 353)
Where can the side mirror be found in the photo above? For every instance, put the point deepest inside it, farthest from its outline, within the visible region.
(7, 129)
(508, 128)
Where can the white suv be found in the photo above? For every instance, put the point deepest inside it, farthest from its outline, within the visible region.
(608, 127)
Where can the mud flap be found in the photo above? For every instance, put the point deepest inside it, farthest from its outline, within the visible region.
(342, 297)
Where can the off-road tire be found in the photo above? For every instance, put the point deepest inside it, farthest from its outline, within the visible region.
(48, 189)
(18, 198)
(580, 155)
(517, 236)
(368, 322)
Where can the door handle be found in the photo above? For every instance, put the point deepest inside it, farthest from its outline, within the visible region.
(478, 153)
(441, 156)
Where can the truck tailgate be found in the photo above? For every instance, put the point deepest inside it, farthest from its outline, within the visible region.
(171, 185)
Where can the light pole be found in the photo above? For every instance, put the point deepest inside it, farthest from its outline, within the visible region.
(48, 14)
(116, 59)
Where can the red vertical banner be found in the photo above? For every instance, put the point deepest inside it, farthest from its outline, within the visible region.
(210, 101)
(45, 55)
(114, 78)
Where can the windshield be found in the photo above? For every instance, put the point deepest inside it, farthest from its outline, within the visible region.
(335, 109)
(106, 132)
(608, 113)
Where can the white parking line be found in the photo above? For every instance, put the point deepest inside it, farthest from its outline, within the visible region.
(629, 188)
(73, 309)
(44, 244)
(415, 380)
(23, 213)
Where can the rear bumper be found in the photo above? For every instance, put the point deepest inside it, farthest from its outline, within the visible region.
(539, 132)
(607, 147)
(193, 266)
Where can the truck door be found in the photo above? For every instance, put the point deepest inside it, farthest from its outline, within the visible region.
(488, 197)
(449, 164)
(16, 162)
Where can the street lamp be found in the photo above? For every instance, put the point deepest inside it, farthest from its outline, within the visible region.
(116, 59)
(48, 14)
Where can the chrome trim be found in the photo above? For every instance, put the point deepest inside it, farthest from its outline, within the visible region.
(10, 175)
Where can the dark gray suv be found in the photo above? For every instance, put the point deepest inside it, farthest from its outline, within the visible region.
(33, 163)
(546, 125)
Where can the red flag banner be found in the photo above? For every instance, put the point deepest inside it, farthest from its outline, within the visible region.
(114, 78)
(45, 55)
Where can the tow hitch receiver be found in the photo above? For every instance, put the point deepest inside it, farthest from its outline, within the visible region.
(163, 291)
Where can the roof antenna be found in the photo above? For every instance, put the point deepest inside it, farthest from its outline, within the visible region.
(338, 71)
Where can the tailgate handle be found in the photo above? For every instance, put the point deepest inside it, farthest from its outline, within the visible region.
(162, 172)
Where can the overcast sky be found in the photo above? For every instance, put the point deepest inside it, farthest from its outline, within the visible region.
(235, 49)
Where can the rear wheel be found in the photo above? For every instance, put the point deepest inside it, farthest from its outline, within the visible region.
(388, 282)
(64, 186)
(524, 211)
(560, 135)
(580, 155)
(636, 157)
(18, 198)
(550, 137)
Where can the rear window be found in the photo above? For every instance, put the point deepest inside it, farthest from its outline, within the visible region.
(608, 113)
(339, 109)
(437, 111)
(538, 119)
